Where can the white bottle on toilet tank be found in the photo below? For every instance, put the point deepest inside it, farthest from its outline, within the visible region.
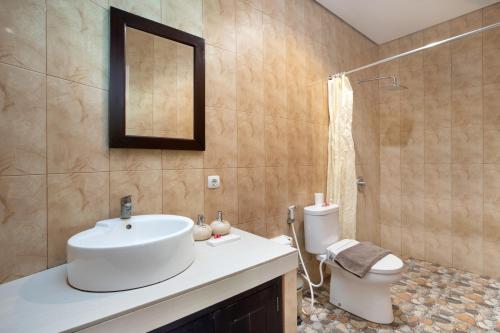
(321, 227)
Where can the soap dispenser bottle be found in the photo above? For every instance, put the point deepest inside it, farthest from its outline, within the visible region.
(201, 231)
(219, 226)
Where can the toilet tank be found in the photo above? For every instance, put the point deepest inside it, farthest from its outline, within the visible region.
(321, 227)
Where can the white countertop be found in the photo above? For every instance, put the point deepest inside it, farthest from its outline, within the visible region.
(44, 302)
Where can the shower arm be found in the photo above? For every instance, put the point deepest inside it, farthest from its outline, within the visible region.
(419, 49)
(394, 80)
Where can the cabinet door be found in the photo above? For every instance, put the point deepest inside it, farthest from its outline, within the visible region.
(200, 325)
(257, 313)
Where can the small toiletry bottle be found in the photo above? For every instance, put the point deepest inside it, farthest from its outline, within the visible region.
(201, 231)
(219, 226)
(319, 199)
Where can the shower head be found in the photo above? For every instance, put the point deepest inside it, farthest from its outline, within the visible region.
(394, 86)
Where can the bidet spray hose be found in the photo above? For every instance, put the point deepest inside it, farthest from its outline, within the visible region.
(320, 274)
(303, 266)
(306, 276)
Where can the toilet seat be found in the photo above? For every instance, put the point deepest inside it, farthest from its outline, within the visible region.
(390, 264)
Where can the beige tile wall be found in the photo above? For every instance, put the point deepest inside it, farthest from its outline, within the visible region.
(266, 68)
(439, 147)
(365, 134)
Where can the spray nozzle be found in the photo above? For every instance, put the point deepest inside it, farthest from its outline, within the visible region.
(291, 214)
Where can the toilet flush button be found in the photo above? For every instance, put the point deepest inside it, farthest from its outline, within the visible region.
(213, 182)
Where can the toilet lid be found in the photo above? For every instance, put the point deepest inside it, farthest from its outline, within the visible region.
(320, 210)
(390, 264)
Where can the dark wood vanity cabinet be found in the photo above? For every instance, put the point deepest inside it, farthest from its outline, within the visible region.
(254, 311)
(259, 312)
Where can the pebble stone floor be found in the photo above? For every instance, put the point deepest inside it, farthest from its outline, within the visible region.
(428, 298)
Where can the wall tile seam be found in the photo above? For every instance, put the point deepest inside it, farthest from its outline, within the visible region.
(483, 268)
(46, 147)
(22, 68)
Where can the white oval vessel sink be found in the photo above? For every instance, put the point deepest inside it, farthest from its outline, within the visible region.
(125, 254)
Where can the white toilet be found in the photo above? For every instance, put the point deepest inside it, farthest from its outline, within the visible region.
(369, 297)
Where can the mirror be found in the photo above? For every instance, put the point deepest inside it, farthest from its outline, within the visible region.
(156, 85)
(159, 87)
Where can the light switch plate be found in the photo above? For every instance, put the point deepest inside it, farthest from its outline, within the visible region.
(213, 182)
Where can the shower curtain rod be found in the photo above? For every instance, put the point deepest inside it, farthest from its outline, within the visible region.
(422, 48)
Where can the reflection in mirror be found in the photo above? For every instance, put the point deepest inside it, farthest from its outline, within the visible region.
(159, 86)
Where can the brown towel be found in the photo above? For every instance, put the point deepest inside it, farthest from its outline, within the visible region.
(358, 259)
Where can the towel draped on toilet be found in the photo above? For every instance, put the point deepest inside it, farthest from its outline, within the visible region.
(358, 259)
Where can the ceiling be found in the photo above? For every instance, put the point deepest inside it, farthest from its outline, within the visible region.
(386, 20)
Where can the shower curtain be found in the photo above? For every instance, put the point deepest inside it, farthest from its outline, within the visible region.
(341, 177)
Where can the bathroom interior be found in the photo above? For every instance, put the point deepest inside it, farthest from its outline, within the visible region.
(249, 166)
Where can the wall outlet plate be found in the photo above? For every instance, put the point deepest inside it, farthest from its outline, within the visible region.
(213, 182)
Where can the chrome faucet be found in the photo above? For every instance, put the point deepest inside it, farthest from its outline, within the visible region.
(126, 207)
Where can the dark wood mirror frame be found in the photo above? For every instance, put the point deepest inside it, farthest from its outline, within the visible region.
(119, 20)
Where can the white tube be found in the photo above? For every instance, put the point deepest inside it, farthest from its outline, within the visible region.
(320, 274)
(304, 266)
(306, 276)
